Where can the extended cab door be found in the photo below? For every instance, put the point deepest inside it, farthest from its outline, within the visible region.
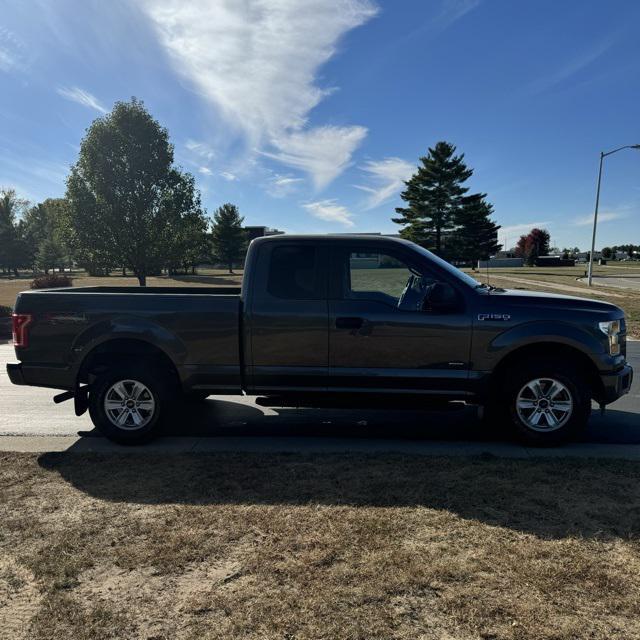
(378, 337)
(287, 323)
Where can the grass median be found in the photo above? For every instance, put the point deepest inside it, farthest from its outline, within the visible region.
(317, 546)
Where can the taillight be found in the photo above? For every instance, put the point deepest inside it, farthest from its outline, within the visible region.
(20, 335)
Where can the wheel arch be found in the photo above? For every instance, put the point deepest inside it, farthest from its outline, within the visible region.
(116, 350)
(552, 350)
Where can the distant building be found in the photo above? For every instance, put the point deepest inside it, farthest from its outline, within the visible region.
(260, 232)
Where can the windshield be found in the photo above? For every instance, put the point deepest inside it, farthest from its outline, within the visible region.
(443, 264)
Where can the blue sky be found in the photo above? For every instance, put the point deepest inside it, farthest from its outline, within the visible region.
(308, 115)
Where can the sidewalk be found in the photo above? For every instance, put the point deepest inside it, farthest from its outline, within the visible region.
(73, 444)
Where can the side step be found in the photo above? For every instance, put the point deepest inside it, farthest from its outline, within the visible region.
(358, 401)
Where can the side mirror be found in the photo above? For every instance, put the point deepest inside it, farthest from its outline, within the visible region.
(440, 297)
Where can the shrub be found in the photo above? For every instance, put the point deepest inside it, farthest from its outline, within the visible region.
(5, 311)
(51, 281)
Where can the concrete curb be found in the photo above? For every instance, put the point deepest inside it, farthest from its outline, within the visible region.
(270, 445)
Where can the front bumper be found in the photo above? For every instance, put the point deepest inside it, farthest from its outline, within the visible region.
(616, 384)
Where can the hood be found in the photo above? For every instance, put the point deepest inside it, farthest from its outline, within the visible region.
(541, 299)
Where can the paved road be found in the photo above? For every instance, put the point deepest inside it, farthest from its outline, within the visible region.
(620, 282)
(28, 411)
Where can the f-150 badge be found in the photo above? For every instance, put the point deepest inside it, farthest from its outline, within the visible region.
(503, 317)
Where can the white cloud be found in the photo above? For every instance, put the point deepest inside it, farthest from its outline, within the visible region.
(323, 152)
(605, 216)
(279, 186)
(256, 62)
(228, 176)
(10, 50)
(330, 211)
(86, 99)
(200, 149)
(387, 177)
(205, 171)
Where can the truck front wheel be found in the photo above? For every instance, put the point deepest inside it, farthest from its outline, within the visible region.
(548, 401)
(127, 404)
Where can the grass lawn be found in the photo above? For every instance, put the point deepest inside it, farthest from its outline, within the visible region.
(10, 287)
(317, 546)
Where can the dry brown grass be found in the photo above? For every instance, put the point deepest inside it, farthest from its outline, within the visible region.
(11, 287)
(324, 546)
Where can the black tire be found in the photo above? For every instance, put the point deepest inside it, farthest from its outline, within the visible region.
(571, 404)
(157, 390)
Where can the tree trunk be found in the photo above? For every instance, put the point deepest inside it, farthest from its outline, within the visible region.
(124, 272)
(231, 267)
(142, 279)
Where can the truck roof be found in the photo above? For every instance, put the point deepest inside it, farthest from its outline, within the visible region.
(332, 237)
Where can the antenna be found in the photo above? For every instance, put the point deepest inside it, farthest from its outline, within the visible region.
(488, 284)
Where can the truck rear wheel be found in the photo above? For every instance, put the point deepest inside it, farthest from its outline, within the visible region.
(548, 401)
(127, 404)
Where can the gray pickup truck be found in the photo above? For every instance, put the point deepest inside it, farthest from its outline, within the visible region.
(325, 321)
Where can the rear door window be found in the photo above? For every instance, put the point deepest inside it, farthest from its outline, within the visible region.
(294, 274)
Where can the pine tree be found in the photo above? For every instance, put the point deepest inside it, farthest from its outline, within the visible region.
(433, 196)
(227, 235)
(476, 237)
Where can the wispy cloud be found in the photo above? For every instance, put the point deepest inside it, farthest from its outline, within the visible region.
(200, 149)
(330, 211)
(205, 171)
(323, 152)
(604, 216)
(257, 62)
(228, 176)
(279, 186)
(86, 99)
(10, 50)
(573, 66)
(451, 11)
(387, 178)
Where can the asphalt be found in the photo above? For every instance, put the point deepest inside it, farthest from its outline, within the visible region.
(618, 281)
(29, 421)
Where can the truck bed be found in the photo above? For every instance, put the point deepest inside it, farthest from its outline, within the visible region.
(197, 327)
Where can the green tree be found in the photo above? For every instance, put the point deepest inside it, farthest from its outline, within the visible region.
(476, 235)
(187, 243)
(47, 233)
(122, 192)
(433, 195)
(13, 248)
(607, 253)
(228, 238)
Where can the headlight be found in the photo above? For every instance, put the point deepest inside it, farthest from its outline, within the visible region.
(611, 329)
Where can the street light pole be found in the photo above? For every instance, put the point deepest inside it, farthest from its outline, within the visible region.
(603, 155)
(595, 221)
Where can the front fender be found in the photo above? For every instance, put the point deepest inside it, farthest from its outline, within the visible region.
(550, 332)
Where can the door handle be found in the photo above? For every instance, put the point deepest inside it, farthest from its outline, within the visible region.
(349, 323)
